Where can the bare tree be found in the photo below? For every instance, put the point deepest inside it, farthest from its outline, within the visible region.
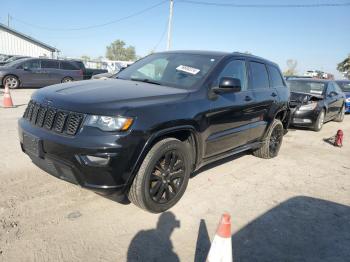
(291, 64)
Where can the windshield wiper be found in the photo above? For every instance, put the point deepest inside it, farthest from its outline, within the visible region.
(145, 80)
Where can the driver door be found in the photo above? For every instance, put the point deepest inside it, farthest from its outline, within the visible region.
(230, 114)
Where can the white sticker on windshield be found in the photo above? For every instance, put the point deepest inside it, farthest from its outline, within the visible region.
(188, 69)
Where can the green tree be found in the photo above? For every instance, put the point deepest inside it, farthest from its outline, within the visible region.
(344, 67)
(118, 51)
(85, 58)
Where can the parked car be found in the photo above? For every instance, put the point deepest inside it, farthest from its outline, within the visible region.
(164, 117)
(296, 76)
(106, 75)
(11, 59)
(88, 72)
(314, 102)
(345, 86)
(4, 57)
(38, 72)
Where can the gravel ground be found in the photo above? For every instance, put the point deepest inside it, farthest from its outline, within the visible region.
(295, 207)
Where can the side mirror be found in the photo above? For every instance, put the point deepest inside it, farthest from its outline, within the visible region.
(26, 68)
(228, 85)
(333, 93)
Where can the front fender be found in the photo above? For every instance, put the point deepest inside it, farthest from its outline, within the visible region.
(157, 135)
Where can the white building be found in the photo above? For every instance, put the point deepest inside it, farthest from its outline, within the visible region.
(13, 42)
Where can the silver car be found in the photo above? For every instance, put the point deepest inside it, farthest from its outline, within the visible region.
(38, 72)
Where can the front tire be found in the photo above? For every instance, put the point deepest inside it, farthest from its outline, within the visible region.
(273, 141)
(163, 176)
(341, 114)
(11, 81)
(320, 121)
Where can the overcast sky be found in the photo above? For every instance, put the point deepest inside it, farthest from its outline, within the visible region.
(318, 38)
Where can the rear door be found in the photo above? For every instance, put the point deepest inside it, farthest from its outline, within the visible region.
(51, 71)
(340, 96)
(331, 100)
(265, 98)
(70, 69)
(230, 114)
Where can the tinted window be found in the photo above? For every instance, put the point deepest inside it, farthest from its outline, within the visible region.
(79, 64)
(31, 64)
(68, 66)
(235, 69)
(337, 88)
(259, 76)
(49, 64)
(330, 88)
(345, 86)
(275, 77)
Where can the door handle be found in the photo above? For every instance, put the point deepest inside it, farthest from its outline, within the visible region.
(248, 98)
(273, 94)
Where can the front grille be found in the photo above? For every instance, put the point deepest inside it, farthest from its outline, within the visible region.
(60, 121)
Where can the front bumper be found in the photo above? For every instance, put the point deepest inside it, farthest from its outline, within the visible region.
(65, 157)
(303, 118)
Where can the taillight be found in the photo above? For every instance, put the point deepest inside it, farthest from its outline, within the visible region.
(81, 72)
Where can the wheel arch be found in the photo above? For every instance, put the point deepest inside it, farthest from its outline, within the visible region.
(9, 74)
(183, 133)
(67, 77)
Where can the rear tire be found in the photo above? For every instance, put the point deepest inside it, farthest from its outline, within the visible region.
(11, 81)
(320, 121)
(67, 79)
(273, 141)
(163, 176)
(341, 114)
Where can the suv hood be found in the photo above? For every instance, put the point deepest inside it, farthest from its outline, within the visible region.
(106, 96)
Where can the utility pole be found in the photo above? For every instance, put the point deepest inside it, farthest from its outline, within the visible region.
(168, 45)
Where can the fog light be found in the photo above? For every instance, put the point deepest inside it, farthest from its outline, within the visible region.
(307, 121)
(95, 160)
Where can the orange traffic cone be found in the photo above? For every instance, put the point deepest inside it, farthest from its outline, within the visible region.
(7, 98)
(221, 248)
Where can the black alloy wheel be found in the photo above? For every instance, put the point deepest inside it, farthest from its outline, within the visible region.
(275, 140)
(162, 177)
(167, 177)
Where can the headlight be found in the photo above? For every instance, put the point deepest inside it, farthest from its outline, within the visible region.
(109, 123)
(348, 100)
(308, 107)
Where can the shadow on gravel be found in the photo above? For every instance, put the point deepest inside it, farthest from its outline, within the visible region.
(299, 229)
(155, 244)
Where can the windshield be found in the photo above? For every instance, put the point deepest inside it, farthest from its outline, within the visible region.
(310, 87)
(14, 58)
(170, 69)
(15, 63)
(344, 85)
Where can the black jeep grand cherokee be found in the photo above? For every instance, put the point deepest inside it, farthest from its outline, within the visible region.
(165, 116)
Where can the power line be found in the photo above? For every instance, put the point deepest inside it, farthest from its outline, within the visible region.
(93, 26)
(161, 37)
(264, 5)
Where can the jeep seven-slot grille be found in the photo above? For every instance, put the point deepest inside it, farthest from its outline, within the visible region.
(60, 121)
